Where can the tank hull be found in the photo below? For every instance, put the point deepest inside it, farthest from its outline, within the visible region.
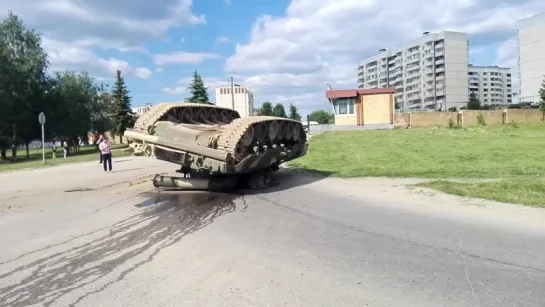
(210, 140)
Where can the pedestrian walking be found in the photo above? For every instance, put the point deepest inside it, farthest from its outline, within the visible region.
(65, 147)
(105, 150)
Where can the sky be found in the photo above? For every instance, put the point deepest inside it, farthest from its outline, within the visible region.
(281, 49)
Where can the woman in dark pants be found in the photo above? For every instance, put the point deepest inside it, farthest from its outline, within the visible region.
(105, 149)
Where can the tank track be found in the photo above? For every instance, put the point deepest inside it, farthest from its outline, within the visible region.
(158, 111)
(231, 140)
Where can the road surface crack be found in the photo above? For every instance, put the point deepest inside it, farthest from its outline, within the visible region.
(466, 269)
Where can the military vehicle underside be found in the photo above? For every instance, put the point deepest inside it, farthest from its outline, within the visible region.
(215, 148)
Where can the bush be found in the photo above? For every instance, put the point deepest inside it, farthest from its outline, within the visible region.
(480, 120)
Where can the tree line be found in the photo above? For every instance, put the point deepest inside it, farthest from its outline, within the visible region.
(278, 110)
(74, 103)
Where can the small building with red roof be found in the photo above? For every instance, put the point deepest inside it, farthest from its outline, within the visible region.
(362, 106)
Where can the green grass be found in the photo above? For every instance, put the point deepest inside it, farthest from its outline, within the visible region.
(524, 191)
(513, 153)
(480, 152)
(87, 153)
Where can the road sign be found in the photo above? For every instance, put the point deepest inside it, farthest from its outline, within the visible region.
(41, 119)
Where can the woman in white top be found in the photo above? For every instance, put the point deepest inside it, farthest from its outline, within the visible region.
(105, 149)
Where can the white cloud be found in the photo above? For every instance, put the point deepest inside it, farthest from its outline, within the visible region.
(507, 56)
(181, 85)
(182, 57)
(142, 73)
(67, 56)
(222, 40)
(119, 24)
(73, 30)
(323, 40)
(175, 91)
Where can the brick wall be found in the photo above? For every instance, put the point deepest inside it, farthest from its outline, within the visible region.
(467, 118)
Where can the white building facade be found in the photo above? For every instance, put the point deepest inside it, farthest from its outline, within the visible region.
(491, 84)
(428, 73)
(141, 110)
(242, 96)
(531, 58)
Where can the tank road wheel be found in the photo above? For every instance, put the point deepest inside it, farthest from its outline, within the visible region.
(273, 130)
(213, 116)
(281, 134)
(187, 115)
(201, 116)
(296, 132)
(224, 116)
(260, 132)
(289, 130)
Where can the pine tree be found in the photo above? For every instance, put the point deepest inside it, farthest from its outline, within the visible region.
(293, 114)
(198, 90)
(122, 115)
(542, 98)
(474, 102)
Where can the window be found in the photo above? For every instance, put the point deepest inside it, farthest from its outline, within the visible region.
(344, 106)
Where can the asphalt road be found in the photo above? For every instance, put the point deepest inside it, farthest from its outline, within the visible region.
(74, 236)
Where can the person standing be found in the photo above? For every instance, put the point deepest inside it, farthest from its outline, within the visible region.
(65, 147)
(105, 150)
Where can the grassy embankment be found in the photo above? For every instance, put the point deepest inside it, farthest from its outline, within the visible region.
(513, 154)
(86, 153)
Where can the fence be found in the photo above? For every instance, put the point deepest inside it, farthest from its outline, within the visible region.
(467, 117)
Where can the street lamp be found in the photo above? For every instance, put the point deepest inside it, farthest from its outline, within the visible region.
(327, 85)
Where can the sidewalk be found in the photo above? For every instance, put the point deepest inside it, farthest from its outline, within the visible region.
(85, 175)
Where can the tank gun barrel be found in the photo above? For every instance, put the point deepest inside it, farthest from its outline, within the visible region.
(183, 146)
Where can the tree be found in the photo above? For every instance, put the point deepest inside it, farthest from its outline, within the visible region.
(542, 98)
(198, 90)
(279, 111)
(121, 113)
(293, 114)
(321, 117)
(266, 109)
(474, 102)
(23, 65)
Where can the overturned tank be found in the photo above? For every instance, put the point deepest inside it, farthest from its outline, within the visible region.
(215, 148)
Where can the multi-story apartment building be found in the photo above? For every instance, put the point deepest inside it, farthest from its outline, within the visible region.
(141, 110)
(531, 58)
(427, 73)
(491, 84)
(242, 98)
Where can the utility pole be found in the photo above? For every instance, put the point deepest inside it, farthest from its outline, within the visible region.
(232, 92)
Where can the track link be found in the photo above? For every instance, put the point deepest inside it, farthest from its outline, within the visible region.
(156, 112)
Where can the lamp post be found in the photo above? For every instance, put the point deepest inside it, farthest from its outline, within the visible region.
(329, 88)
(327, 85)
